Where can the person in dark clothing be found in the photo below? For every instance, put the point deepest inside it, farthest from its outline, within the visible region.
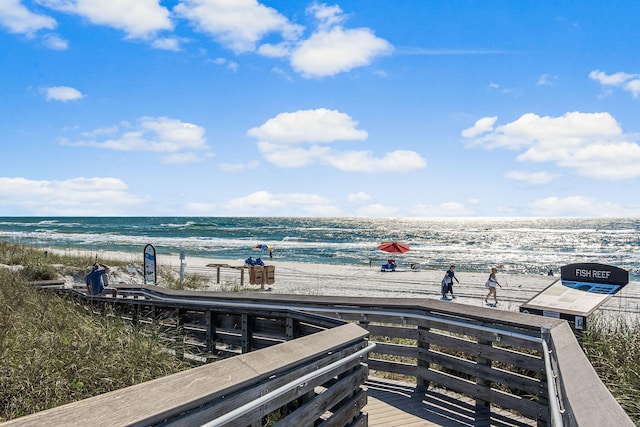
(447, 282)
(95, 281)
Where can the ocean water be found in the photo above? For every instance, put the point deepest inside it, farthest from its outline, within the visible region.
(515, 245)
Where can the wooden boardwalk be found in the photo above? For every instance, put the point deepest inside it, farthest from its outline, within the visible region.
(397, 404)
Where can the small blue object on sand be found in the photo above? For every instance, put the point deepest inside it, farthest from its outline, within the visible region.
(388, 267)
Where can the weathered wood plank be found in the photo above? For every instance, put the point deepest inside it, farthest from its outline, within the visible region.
(393, 331)
(231, 401)
(505, 338)
(392, 367)
(318, 405)
(350, 412)
(396, 350)
(501, 354)
(487, 373)
(526, 407)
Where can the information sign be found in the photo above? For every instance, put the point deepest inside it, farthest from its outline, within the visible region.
(581, 289)
(150, 264)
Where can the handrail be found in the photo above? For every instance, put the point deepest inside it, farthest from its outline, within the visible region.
(554, 403)
(559, 392)
(248, 407)
(348, 310)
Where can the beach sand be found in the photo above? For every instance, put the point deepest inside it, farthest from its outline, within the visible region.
(362, 280)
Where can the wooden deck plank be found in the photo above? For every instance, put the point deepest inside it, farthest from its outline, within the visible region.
(397, 404)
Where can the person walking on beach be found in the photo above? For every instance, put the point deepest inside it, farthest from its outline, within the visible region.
(95, 281)
(447, 282)
(491, 284)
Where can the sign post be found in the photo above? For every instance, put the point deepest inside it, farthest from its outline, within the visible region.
(150, 265)
(182, 265)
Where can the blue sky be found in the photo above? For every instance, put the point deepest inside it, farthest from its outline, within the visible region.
(358, 108)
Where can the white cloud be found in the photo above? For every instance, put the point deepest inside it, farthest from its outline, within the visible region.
(628, 82)
(593, 144)
(359, 197)
(156, 134)
(139, 19)
(77, 196)
(55, 42)
(633, 86)
(19, 20)
(280, 50)
(365, 161)
(333, 51)
(62, 93)
(578, 206)
(283, 137)
(242, 25)
(231, 65)
(168, 43)
(481, 126)
(239, 167)
(616, 79)
(291, 157)
(319, 125)
(534, 178)
(547, 80)
(185, 158)
(238, 24)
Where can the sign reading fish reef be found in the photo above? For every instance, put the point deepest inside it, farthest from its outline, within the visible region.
(597, 278)
(582, 288)
(150, 265)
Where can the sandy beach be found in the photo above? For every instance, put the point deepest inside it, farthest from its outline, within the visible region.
(359, 280)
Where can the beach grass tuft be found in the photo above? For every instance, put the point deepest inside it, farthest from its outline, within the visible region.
(54, 351)
(170, 279)
(612, 345)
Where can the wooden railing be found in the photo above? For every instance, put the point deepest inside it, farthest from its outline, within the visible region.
(298, 368)
(496, 357)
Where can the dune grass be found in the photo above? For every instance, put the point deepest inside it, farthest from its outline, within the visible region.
(612, 345)
(54, 352)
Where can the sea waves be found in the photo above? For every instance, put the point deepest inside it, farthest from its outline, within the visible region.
(515, 245)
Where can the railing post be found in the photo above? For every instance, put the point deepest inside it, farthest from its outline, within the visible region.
(482, 407)
(291, 328)
(247, 333)
(423, 347)
(210, 323)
